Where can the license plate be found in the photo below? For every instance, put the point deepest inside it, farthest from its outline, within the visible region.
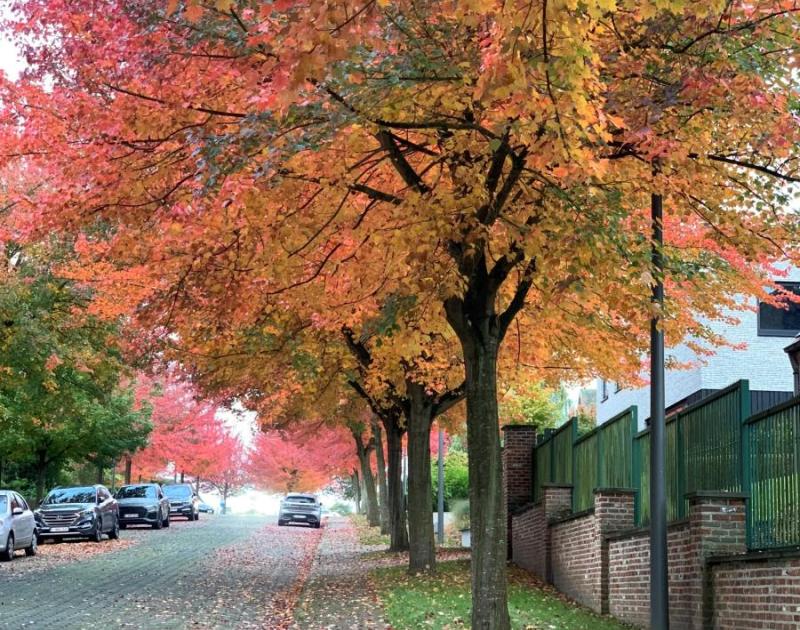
(299, 515)
(130, 515)
(58, 530)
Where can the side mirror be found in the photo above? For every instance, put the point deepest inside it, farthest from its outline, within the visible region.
(17, 511)
(99, 500)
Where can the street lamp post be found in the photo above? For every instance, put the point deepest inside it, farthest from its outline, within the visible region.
(659, 585)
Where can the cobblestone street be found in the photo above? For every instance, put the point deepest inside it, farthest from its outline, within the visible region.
(221, 572)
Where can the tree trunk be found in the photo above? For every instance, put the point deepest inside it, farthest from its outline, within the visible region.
(356, 490)
(41, 477)
(383, 494)
(197, 485)
(100, 474)
(373, 516)
(398, 533)
(487, 508)
(182, 476)
(2, 472)
(422, 554)
(224, 498)
(128, 468)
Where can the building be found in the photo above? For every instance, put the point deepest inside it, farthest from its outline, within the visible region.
(766, 331)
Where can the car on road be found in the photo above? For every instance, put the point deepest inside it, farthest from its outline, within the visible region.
(17, 526)
(78, 511)
(143, 504)
(300, 508)
(206, 508)
(183, 501)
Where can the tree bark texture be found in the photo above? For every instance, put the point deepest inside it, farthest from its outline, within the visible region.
(398, 533)
(422, 551)
(380, 460)
(363, 451)
(128, 469)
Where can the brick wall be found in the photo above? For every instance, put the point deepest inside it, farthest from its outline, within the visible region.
(530, 540)
(757, 591)
(629, 576)
(716, 524)
(575, 556)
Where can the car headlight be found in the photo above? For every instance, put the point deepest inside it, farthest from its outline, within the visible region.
(86, 514)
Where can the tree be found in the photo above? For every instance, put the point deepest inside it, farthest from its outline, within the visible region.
(281, 460)
(493, 160)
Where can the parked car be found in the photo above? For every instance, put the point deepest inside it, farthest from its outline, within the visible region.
(183, 501)
(80, 511)
(17, 526)
(300, 508)
(143, 504)
(205, 507)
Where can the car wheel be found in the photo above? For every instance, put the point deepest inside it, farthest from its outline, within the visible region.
(114, 533)
(166, 521)
(316, 525)
(123, 526)
(197, 516)
(158, 524)
(33, 548)
(7, 555)
(97, 534)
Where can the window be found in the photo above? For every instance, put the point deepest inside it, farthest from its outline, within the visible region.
(603, 389)
(775, 321)
(617, 387)
(136, 492)
(22, 502)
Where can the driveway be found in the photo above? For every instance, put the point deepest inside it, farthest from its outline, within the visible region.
(221, 572)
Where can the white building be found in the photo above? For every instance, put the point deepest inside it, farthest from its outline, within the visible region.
(766, 332)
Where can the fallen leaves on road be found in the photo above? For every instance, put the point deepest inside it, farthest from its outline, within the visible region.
(51, 555)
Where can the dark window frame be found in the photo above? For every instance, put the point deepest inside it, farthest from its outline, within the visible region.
(603, 390)
(777, 332)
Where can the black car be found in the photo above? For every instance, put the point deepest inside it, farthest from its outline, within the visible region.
(183, 501)
(81, 511)
(143, 504)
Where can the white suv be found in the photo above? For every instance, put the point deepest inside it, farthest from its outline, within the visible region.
(300, 508)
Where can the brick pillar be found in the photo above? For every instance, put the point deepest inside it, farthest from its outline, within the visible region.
(717, 526)
(614, 513)
(518, 442)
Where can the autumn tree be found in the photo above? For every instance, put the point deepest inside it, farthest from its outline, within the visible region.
(493, 161)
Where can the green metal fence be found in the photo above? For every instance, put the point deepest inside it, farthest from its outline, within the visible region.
(711, 445)
(772, 454)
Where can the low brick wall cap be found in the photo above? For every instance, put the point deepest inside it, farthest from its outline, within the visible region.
(615, 491)
(757, 556)
(518, 427)
(716, 494)
(553, 484)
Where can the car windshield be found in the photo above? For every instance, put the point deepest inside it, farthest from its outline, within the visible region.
(3, 503)
(299, 499)
(136, 492)
(177, 492)
(71, 495)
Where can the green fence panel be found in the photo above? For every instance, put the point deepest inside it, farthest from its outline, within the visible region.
(713, 441)
(562, 441)
(642, 442)
(586, 471)
(615, 450)
(542, 465)
(773, 515)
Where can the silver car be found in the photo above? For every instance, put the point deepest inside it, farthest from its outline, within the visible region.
(300, 508)
(17, 526)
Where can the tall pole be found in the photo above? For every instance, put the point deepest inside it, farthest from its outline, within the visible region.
(440, 502)
(659, 585)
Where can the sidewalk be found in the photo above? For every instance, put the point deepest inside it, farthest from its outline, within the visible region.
(338, 594)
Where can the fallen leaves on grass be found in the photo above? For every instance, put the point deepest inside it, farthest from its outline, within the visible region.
(368, 536)
(442, 601)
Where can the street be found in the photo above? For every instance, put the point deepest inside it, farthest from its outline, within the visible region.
(221, 572)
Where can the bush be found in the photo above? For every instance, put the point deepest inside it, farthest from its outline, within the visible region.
(342, 508)
(456, 478)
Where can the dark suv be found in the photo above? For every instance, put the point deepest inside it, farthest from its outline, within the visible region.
(85, 511)
(183, 501)
(143, 504)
